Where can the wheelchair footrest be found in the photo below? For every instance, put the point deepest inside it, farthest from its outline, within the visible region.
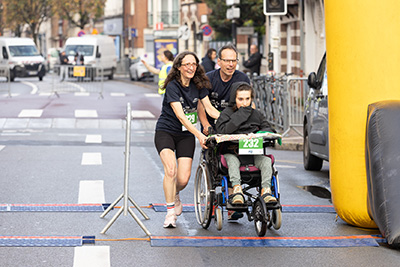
(273, 206)
(240, 207)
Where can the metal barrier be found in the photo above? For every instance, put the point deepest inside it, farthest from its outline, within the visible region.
(281, 100)
(83, 79)
(125, 195)
(297, 89)
(5, 79)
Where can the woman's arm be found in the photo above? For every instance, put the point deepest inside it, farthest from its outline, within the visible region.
(213, 112)
(178, 110)
(203, 118)
(150, 68)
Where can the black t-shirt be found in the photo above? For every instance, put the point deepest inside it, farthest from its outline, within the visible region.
(187, 96)
(220, 93)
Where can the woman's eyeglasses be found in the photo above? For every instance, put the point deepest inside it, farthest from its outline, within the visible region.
(188, 65)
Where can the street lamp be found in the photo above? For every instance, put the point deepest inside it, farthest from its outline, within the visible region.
(233, 13)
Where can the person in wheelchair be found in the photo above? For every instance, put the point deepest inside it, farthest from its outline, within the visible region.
(240, 117)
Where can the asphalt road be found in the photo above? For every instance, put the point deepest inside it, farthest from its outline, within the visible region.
(59, 158)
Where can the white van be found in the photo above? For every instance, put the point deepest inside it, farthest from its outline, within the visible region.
(98, 51)
(22, 57)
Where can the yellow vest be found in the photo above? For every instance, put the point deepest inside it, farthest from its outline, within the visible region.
(162, 76)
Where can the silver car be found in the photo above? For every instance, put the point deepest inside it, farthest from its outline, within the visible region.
(315, 129)
(138, 71)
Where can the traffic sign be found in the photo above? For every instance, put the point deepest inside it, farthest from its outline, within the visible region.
(134, 32)
(81, 33)
(207, 30)
(184, 32)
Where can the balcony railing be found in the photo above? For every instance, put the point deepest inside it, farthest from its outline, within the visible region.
(169, 18)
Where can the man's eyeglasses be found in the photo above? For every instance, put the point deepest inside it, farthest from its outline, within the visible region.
(188, 65)
(230, 60)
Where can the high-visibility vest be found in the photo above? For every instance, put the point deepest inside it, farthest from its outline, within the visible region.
(162, 76)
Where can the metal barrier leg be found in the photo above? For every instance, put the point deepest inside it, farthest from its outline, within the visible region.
(125, 196)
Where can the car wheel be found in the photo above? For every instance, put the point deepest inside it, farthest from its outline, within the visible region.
(310, 162)
(111, 76)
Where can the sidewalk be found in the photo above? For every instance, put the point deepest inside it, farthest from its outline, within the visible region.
(291, 141)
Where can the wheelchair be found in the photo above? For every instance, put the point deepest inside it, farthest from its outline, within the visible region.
(212, 182)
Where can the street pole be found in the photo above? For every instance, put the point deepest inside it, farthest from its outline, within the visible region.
(234, 32)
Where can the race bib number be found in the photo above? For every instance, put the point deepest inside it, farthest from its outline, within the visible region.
(192, 117)
(251, 146)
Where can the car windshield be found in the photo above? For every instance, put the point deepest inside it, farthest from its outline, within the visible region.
(23, 51)
(86, 50)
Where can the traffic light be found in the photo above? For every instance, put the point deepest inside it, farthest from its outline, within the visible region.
(275, 7)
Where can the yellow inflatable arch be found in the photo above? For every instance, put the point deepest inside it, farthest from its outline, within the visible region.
(363, 56)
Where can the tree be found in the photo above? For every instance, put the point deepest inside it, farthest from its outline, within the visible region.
(30, 12)
(79, 12)
(251, 14)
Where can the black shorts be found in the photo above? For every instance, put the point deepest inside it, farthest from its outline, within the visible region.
(183, 145)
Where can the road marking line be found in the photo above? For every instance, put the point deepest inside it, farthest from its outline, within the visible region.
(34, 87)
(86, 113)
(142, 114)
(91, 159)
(285, 166)
(98, 256)
(91, 192)
(2, 147)
(93, 138)
(76, 86)
(30, 113)
(81, 94)
(152, 95)
(117, 94)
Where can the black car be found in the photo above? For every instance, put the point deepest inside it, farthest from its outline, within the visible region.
(315, 129)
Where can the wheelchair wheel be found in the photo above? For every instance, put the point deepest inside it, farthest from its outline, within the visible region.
(260, 217)
(218, 218)
(203, 197)
(276, 219)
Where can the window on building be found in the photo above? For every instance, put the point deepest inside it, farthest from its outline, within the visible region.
(169, 13)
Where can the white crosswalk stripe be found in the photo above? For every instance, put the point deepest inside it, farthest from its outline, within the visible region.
(98, 256)
(91, 159)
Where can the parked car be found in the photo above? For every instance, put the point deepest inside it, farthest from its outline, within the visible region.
(138, 71)
(315, 129)
(53, 58)
(22, 57)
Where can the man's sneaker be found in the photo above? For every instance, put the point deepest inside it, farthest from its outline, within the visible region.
(234, 215)
(266, 194)
(237, 195)
(178, 205)
(170, 220)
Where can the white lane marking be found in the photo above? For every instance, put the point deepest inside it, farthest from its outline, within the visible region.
(285, 166)
(91, 192)
(91, 159)
(152, 95)
(34, 87)
(45, 94)
(117, 94)
(30, 113)
(76, 86)
(142, 114)
(98, 256)
(93, 138)
(86, 113)
(81, 94)
(2, 147)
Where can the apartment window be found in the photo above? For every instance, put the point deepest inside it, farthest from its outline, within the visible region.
(169, 13)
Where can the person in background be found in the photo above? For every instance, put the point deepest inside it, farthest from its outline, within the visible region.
(63, 61)
(253, 64)
(167, 58)
(185, 86)
(208, 62)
